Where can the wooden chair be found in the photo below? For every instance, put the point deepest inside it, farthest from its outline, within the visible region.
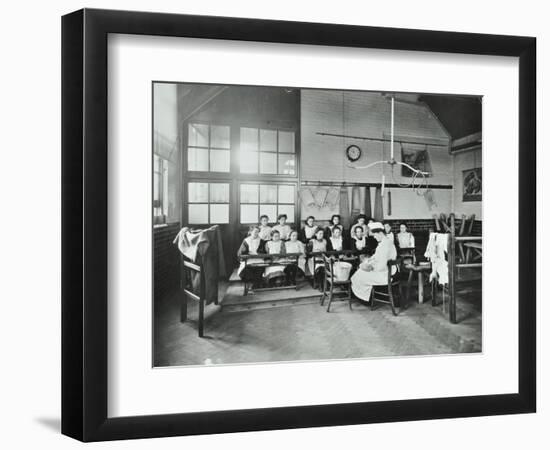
(384, 293)
(330, 282)
(189, 269)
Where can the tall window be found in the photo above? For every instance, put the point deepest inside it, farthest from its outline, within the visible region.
(208, 148)
(269, 152)
(270, 199)
(160, 189)
(208, 203)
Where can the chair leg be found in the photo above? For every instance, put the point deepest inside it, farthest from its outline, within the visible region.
(372, 299)
(323, 295)
(329, 298)
(390, 293)
(349, 296)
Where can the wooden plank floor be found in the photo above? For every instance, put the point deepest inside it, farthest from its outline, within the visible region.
(303, 330)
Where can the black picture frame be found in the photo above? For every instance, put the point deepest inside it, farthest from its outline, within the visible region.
(84, 224)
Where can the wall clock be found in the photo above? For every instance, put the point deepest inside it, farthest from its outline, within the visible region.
(353, 153)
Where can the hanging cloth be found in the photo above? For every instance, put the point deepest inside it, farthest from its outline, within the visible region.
(378, 207)
(320, 197)
(307, 197)
(350, 200)
(367, 205)
(333, 197)
(356, 202)
(344, 207)
(389, 203)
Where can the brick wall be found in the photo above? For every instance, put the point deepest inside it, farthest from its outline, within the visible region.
(165, 260)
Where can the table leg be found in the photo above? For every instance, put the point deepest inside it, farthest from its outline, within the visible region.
(409, 283)
(420, 287)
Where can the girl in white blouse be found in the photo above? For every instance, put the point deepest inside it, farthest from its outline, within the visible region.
(309, 230)
(316, 265)
(275, 246)
(282, 227)
(293, 245)
(265, 229)
(251, 245)
(404, 238)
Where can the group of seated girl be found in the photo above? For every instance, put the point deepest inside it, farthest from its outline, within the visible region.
(278, 240)
(281, 239)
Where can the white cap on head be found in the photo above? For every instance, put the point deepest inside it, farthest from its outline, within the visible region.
(375, 226)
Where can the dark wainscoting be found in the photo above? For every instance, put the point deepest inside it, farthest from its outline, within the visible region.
(165, 260)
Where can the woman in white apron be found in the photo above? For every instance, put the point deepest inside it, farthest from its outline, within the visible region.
(309, 230)
(335, 242)
(251, 245)
(265, 229)
(373, 271)
(282, 227)
(293, 245)
(275, 246)
(334, 223)
(315, 264)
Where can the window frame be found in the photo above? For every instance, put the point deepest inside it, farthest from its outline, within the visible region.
(277, 152)
(187, 202)
(209, 148)
(291, 220)
(162, 218)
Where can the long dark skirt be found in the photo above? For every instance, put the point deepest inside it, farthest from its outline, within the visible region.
(252, 274)
(292, 271)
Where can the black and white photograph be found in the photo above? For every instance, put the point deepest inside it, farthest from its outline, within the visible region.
(301, 224)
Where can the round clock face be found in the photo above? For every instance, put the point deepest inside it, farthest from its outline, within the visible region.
(353, 153)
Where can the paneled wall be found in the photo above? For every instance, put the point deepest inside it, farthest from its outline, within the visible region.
(166, 262)
(368, 114)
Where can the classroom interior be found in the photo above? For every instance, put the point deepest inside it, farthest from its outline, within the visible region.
(223, 156)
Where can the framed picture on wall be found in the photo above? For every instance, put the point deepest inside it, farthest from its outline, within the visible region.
(416, 158)
(471, 185)
(195, 272)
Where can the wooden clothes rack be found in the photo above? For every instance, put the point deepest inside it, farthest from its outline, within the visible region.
(454, 266)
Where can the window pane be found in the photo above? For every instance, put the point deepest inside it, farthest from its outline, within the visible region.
(198, 214)
(268, 140)
(197, 159)
(219, 137)
(286, 141)
(219, 160)
(219, 213)
(249, 162)
(219, 193)
(249, 140)
(270, 211)
(268, 163)
(268, 193)
(156, 190)
(156, 165)
(198, 192)
(288, 210)
(249, 214)
(249, 193)
(198, 135)
(286, 194)
(286, 164)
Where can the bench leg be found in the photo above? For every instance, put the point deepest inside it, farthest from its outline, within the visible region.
(201, 317)
(183, 308)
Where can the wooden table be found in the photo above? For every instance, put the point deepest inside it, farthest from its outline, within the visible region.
(419, 269)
